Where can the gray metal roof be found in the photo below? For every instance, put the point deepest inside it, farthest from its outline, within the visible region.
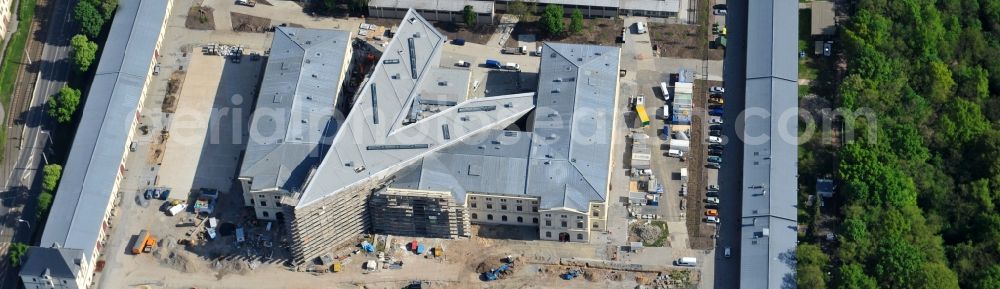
(54, 262)
(294, 117)
(90, 172)
(378, 136)
(573, 125)
(772, 37)
(652, 5)
(565, 160)
(770, 172)
(435, 5)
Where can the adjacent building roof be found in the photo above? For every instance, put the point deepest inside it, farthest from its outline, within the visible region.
(52, 262)
(770, 172)
(388, 127)
(652, 5)
(823, 18)
(435, 5)
(565, 160)
(293, 121)
(89, 177)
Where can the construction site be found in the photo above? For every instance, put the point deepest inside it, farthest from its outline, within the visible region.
(288, 150)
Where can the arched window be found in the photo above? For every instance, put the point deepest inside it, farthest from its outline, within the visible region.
(520, 220)
(503, 218)
(489, 217)
(579, 236)
(534, 220)
(475, 216)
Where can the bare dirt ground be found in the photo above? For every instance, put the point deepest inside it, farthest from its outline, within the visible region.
(200, 18)
(680, 41)
(173, 87)
(598, 31)
(249, 23)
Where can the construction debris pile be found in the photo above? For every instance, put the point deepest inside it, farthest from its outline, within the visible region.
(646, 232)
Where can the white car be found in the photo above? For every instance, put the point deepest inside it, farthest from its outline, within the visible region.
(712, 200)
(714, 139)
(716, 89)
(712, 219)
(715, 120)
(728, 252)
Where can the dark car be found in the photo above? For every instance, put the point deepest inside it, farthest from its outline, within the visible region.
(458, 41)
(712, 193)
(715, 152)
(715, 146)
(712, 206)
(715, 133)
(714, 165)
(715, 112)
(715, 106)
(719, 6)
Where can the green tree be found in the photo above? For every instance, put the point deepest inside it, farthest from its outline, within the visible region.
(63, 105)
(552, 20)
(469, 15)
(107, 7)
(852, 276)
(50, 177)
(83, 51)
(44, 202)
(811, 264)
(16, 251)
(91, 21)
(990, 278)
(576, 22)
(518, 8)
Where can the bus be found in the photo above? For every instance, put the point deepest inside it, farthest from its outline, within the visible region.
(643, 116)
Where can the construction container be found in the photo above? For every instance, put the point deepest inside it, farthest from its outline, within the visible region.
(143, 243)
(438, 251)
(336, 267)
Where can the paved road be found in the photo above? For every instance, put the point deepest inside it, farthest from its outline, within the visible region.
(20, 182)
(731, 175)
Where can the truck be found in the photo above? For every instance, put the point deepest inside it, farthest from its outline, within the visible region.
(512, 66)
(686, 261)
(493, 63)
(176, 209)
(640, 28)
(515, 50)
(143, 243)
(463, 63)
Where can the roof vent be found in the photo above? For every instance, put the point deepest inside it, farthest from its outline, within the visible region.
(443, 83)
(309, 42)
(508, 105)
(359, 169)
(579, 59)
(305, 121)
(395, 76)
(766, 232)
(548, 155)
(416, 35)
(314, 76)
(308, 61)
(349, 164)
(558, 79)
(555, 90)
(411, 19)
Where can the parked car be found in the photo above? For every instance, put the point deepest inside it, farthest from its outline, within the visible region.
(712, 200)
(458, 41)
(712, 206)
(712, 187)
(715, 127)
(712, 212)
(716, 89)
(712, 219)
(728, 252)
(716, 146)
(712, 193)
(827, 48)
(714, 139)
(715, 159)
(714, 165)
(715, 152)
(715, 120)
(715, 106)
(718, 100)
(715, 133)
(715, 112)
(721, 12)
